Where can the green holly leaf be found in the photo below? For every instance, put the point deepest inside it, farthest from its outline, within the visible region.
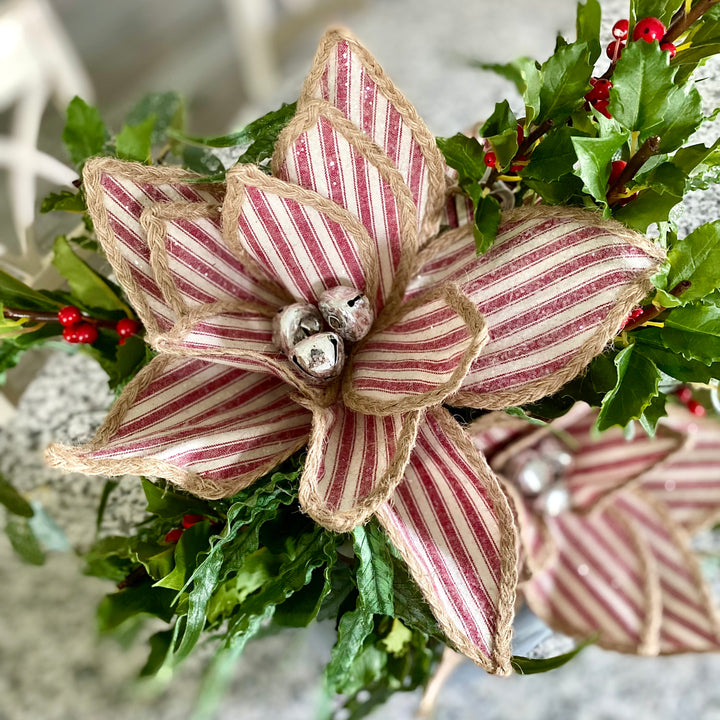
(532, 666)
(636, 386)
(562, 191)
(90, 289)
(168, 109)
(134, 142)
(645, 98)
(464, 154)
(487, 221)
(649, 343)
(653, 413)
(587, 23)
(23, 540)
(13, 500)
(566, 79)
(500, 130)
(64, 200)
(650, 206)
(554, 156)
(663, 10)
(85, 133)
(694, 332)
(525, 74)
(374, 569)
(16, 294)
(696, 259)
(201, 160)
(594, 158)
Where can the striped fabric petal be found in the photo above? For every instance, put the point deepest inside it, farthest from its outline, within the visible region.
(324, 152)
(688, 484)
(209, 428)
(420, 359)
(555, 287)
(452, 525)
(354, 463)
(303, 242)
(194, 266)
(603, 465)
(348, 77)
(118, 193)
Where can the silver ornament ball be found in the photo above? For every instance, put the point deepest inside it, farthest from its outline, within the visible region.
(553, 501)
(320, 358)
(294, 323)
(347, 311)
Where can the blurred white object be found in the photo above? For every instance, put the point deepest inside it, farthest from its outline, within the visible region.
(37, 64)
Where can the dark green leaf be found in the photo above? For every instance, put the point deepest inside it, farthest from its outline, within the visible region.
(653, 413)
(118, 607)
(134, 142)
(90, 288)
(649, 207)
(189, 552)
(500, 129)
(201, 160)
(64, 200)
(85, 133)
(168, 109)
(13, 500)
(531, 666)
(661, 9)
(636, 386)
(566, 79)
(159, 646)
(594, 158)
(16, 294)
(554, 157)
(587, 25)
(487, 221)
(168, 503)
(694, 332)
(559, 192)
(354, 628)
(464, 154)
(649, 343)
(23, 540)
(374, 569)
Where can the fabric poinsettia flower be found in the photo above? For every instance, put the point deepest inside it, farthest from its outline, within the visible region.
(605, 526)
(356, 199)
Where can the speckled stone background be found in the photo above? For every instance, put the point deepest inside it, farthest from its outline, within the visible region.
(53, 666)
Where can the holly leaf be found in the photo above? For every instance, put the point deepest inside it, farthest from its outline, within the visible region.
(13, 500)
(694, 332)
(64, 200)
(566, 79)
(374, 572)
(168, 109)
(201, 160)
(636, 386)
(464, 154)
(142, 599)
(532, 666)
(557, 192)
(500, 130)
(653, 413)
(85, 133)
(696, 259)
(650, 206)
(554, 156)
(487, 221)
(14, 293)
(134, 142)
(23, 540)
(645, 98)
(663, 10)
(168, 503)
(649, 343)
(587, 24)
(525, 74)
(594, 158)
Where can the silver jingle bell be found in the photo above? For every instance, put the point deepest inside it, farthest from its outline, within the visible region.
(530, 472)
(553, 501)
(347, 311)
(294, 323)
(554, 451)
(320, 357)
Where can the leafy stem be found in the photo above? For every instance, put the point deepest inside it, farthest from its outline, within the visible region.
(651, 312)
(46, 317)
(684, 19)
(644, 153)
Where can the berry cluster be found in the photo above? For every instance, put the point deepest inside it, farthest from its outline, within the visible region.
(80, 329)
(520, 162)
(685, 395)
(189, 519)
(648, 29)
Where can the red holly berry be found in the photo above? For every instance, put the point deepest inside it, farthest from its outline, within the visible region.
(69, 334)
(684, 394)
(174, 535)
(600, 90)
(521, 162)
(602, 107)
(69, 315)
(620, 29)
(649, 29)
(696, 408)
(520, 134)
(85, 333)
(191, 519)
(634, 315)
(127, 327)
(614, 49)
(490, 159)
(616, 170)
(669, 47)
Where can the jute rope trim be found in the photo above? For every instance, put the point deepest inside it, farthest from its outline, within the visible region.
(241, 176)
(93, 172)
(313, 502)
(498, 662)
(306, 118)
(434, 159)
(477, 338)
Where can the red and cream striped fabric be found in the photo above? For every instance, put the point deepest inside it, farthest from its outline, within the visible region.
(326, 154)
(458, 211)
(354, 463)
(206, 426)
(457, 540)
(419, 360)
(349, 78)
(550, 290)
(117, 202)
(618, 563)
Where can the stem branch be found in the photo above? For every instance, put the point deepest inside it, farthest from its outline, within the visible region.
(644, 153)
(683, 20)
(651, 312)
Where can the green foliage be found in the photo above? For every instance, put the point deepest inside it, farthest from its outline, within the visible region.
(532, 666)
(85, 133)
(589, 16)
(23, 540)
(64, 200)
(134, 142)
(594, 157)
(500, 130)
(13, 501)
(566, 78)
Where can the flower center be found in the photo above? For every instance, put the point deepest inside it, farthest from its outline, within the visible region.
(317, 354)
(539, 473)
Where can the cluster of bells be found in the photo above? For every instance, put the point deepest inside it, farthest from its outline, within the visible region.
(319, 355)
(538, 472)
